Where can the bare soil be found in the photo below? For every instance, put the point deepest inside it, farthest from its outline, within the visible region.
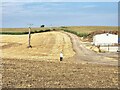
(48, 74)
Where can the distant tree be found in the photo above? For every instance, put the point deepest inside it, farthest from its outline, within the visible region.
(42, 26)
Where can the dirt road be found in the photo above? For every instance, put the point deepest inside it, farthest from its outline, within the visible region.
(84, 55)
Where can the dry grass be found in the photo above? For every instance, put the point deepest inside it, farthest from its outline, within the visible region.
(89, 29)
(45, 46)
(81, 29)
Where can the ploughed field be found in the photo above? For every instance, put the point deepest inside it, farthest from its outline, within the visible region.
(48, 74)
(39, 66)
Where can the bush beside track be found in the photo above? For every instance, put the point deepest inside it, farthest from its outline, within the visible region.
(77, 33)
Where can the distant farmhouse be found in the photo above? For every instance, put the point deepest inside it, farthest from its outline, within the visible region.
(106, 42)
(105, 39)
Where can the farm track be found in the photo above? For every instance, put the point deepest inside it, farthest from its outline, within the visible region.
(85, 55)
(73, 72)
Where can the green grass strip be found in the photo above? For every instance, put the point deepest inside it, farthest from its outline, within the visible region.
(77, 33)
(22, 33)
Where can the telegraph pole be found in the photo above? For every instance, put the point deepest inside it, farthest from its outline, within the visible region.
(29, 36)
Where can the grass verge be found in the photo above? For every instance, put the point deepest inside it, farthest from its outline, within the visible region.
(84, 35)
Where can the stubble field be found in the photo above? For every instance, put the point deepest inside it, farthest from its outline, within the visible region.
(39, 66)
(44, 46)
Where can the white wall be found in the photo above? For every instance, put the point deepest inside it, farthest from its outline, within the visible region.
(103, 39)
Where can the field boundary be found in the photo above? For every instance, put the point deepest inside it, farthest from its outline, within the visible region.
(22, 33)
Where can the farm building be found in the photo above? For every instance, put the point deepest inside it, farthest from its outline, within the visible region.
(105, 39)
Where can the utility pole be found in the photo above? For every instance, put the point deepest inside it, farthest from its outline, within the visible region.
(108, 47)
(29, 36)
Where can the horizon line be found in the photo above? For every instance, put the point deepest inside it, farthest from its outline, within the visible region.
(67, 26)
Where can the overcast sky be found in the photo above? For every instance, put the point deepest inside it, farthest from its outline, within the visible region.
(20, 14)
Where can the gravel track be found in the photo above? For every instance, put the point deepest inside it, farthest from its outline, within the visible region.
(88, 56)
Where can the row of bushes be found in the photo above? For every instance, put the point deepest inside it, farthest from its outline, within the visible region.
(21, 33)
(77, 33)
